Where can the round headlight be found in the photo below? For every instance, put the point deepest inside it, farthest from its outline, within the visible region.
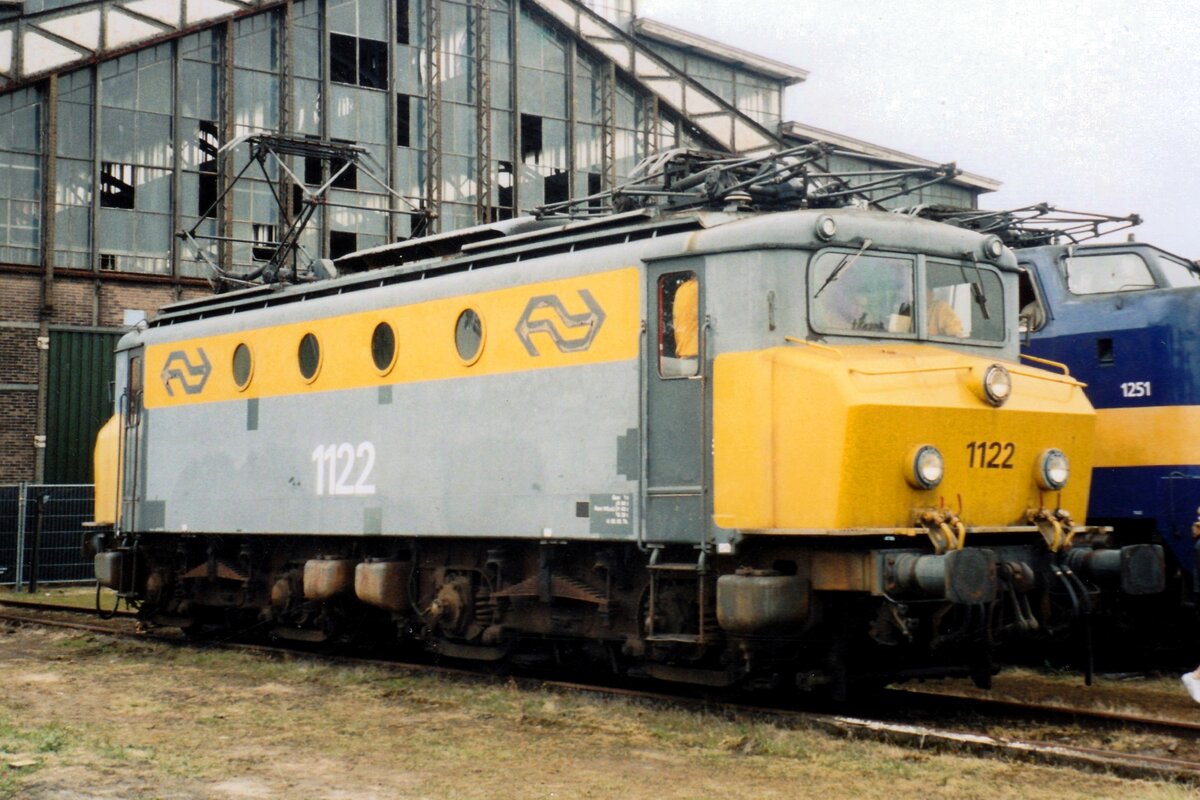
(925, 468)
(826, 228)
(993, 248)
(997, 384)
(1053, 469)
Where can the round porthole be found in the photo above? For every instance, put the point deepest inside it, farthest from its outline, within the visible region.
(468, 336)
(309, 357)
(383, 348)
(243, 366)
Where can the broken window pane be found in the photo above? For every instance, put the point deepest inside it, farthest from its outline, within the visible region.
(403, 121)
(531, 138)
(372, 64)
(341, 243)
(402, 22)
(343, 58)
(116, 185)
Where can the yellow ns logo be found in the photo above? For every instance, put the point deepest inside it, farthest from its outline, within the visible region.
(571, 333)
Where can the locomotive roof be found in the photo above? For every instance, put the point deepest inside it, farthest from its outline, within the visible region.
(527, 238)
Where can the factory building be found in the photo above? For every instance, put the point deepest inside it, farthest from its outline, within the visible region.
(122, 123)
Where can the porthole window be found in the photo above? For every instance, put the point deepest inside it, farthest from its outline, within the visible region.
(309, 357)
(383, 348)
(468, 336)
(243, 366)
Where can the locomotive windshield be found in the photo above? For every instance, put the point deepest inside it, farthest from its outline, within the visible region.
(873, 293)
(1106, 272)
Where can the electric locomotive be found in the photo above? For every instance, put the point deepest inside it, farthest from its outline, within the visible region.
(744, 433)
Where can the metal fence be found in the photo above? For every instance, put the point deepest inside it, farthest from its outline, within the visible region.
(41, 530)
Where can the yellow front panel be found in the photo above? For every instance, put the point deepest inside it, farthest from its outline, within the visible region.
(106, 468)
(424, 342)
(831, 446)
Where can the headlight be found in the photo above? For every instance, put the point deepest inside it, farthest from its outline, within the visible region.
(1053, 469)
(925, 468)
(826, 228)
(997, 384)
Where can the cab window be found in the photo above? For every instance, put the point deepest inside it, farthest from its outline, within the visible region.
(1107, 272)
(858, 292)
(963, 301)
(679, 325)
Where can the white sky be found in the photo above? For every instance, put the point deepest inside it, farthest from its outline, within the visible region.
(1089, 106)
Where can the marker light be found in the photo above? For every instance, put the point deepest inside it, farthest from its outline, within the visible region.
(993, 248)
(826, 228)
(926, 468)
(1053, 469)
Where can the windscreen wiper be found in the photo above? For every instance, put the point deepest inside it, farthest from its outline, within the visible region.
(846, 261)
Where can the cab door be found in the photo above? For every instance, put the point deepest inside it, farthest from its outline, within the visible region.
(130, 411)
(676, 427)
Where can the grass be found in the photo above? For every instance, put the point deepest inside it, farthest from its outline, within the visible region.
(71, 596)
(179, 719)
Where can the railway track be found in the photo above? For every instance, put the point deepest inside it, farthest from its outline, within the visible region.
(895, 728)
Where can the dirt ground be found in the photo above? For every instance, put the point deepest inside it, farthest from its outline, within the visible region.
(90, 717)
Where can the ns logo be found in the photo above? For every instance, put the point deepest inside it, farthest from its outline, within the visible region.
(187, 375)
(570, 333)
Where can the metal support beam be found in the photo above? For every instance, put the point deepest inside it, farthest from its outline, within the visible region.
(49, 181)
(433, 141)
(608, 127)
(483, 111)
(225, 158)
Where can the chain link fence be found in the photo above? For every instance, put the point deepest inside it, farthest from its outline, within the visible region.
(41, 531)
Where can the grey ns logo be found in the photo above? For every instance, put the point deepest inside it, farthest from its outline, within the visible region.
(559, 329)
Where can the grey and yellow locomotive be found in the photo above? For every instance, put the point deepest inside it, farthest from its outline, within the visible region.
(709, 441)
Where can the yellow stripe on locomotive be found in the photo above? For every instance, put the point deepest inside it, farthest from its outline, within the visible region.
(821, 439)
(424, 341)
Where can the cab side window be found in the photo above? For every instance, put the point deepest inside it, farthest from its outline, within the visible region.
(1033, 313)
(679, 325)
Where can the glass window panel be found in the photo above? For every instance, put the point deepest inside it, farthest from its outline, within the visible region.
(861, 292)
(199, 85)
(256, 101)
(152, 140)
(154, 82)
(342, 16)
(501, 85)
(74, 183)
(256, 44)
(408, 70)
(1109, 272)
(307, 115)
(20, 121)
(24, 176)
(963, 302)
(1178, 273)
(202, 46)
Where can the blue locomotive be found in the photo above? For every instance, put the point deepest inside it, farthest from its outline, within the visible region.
(1124, 317)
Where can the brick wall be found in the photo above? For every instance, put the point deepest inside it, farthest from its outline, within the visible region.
(18, 413)
(78, 302)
